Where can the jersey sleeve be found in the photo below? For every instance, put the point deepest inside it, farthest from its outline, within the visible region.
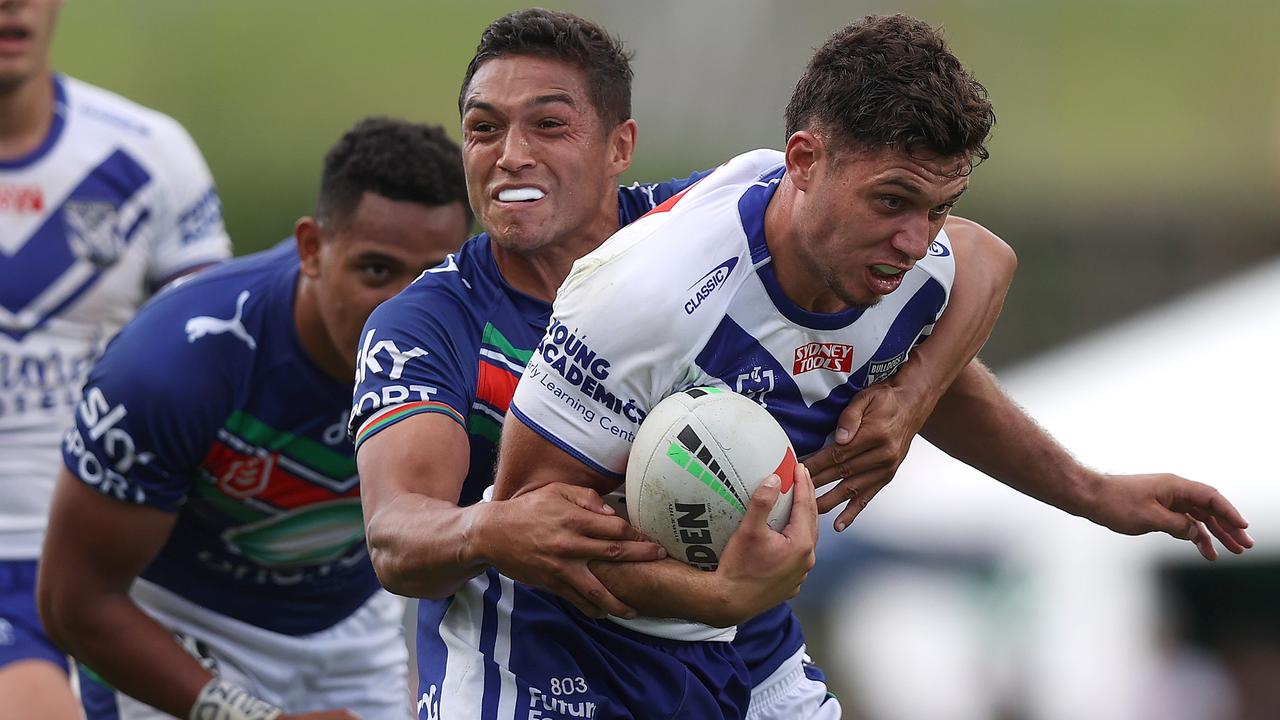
(609, 355)
(189, 230)
(418, 354)
(639, 198)
(152, 406)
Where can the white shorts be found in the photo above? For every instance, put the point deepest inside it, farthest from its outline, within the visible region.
(360, 664)
(791, 694)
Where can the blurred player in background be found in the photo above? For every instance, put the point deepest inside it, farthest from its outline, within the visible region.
(101, 202)
(205, 547)
(547, 130)
(841, 245)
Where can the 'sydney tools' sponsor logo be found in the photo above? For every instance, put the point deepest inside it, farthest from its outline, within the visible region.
(823, 356)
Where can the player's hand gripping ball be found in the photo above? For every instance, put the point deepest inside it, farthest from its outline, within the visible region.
(695, 462)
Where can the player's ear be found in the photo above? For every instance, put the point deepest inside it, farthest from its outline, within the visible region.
(804, 149)
(622, 145)
(306, 234)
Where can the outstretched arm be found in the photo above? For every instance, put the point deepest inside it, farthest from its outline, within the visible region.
(978, 424)
(875, 431)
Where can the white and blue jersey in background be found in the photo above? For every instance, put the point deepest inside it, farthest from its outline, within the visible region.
(115, 201)
(687, 296)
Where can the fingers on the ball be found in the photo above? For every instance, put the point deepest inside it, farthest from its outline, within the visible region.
(762, 501)
(804, 505)
(805, 492)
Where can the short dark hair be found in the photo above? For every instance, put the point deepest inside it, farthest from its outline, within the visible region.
(890, 80)
(396, 159)
(566, 37)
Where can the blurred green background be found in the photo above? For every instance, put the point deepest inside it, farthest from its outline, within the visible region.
(1135, 154)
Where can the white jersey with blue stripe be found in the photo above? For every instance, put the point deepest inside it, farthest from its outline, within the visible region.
(687, 296)
(114, 202)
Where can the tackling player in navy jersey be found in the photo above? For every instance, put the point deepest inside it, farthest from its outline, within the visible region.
(102, 201)
(547, 129)
(205, 548)
(846, 231)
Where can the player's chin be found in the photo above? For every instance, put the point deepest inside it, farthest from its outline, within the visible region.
(521, 237)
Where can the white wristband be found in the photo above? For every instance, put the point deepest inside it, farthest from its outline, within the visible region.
(220, 700)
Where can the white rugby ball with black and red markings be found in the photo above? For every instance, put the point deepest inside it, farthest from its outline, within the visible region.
(696, 460)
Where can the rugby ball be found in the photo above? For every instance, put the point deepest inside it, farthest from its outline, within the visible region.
(696, 460)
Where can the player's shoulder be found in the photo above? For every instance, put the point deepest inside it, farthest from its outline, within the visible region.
(158, 138)
(114, 113)
(939, 261)
(670, 245)
(466, 277)
(225, 311)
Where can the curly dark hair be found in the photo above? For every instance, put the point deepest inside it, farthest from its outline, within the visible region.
(396, 159)
(890, 80)
(566, 37)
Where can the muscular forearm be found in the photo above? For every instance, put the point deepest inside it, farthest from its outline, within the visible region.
(425, 547)
(670, 588)
(978, 424)
(127, 648)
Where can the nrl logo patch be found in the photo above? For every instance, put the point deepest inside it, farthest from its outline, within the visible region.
(247, 476)
(92, 231)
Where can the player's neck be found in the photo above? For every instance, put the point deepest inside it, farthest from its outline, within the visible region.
(539, 273)
(795, 279)
(26, 112)
(313, 336)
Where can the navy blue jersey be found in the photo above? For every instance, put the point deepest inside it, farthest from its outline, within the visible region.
(456, 341)
(206, 405)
